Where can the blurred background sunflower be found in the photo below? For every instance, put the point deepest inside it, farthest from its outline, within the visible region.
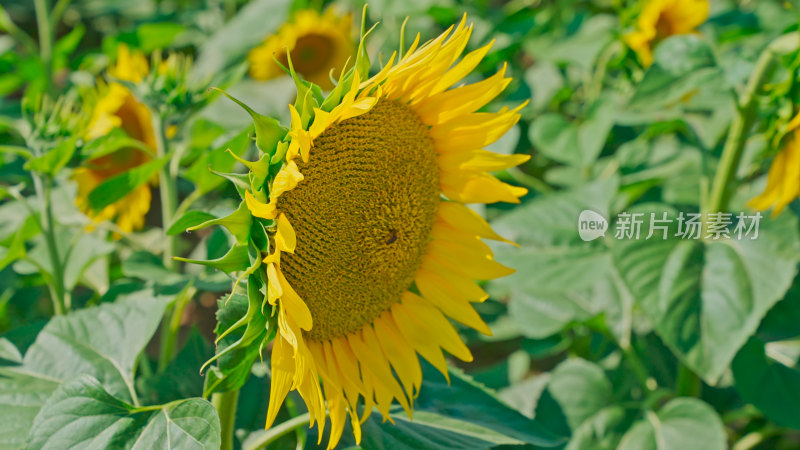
(114, 107)
(319, 45)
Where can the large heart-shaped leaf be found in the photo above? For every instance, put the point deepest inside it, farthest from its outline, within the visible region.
(82, 414)
(579, 400)
(706, 298)
(560, 279)
(682, 424)
(21, 398)
(102, 342)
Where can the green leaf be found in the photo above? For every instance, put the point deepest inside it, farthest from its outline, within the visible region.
(54, 159)
(118, 186)
(460, 415)
(683, 66)
(254, 22)
(83, 414)
(706, 299)
(86, 250)
(582, 390)
(268, 130)
(181, 379)
(21, 398)
(467, 401)
(560, 279)
(187, 220)
(682, 424)
(9, 351)
(235, 260)
(66, 46)
(103, 342)
(16, 150)
(154, 36)
(237, 222)
(149, 267)
(117, 139)
(770, 380)
(781, 321)
(16, 248)
(579, 400)
(570, 143)
(556, 138)
(237, 347)
(202, 171)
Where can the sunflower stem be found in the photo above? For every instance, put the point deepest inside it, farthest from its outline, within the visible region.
(58, 293)
(57, 12)
(225, 403)
(169, 202)
(168, 191)
(737, 135)
(267, 437)
(45, 39)
(172, 325)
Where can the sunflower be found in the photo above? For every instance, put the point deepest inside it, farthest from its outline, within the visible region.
(660, 19)
(373, 248)
(317, 44)
(116, 107)
(783, 179)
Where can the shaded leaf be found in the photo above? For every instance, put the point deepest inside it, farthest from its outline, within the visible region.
(118, 186)
(706, 299)
(188, 220)
(83, 414)
(682, 424)
(770, 381)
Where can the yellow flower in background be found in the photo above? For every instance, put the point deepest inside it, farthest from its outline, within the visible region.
(116, 107)
(660, 19)
(374, 248)
(318, 44)
(783, 179)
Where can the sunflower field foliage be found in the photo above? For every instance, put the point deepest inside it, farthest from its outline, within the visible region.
(452, 224)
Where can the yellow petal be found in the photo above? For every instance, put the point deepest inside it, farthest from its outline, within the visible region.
(417, 334)
(470, 262)
(400, 353)
(285, 238)
(259, 209)
(460, 217)
(282, 367)
(449, 301)
(478, 187)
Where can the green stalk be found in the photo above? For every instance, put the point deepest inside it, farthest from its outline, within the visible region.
(58, 11)
(687, 384)
(276, 432)
(171, 326)
(169, 203)
(225, 403)
(45, 38)
(61, 300)
(754, 439)
(8, 25)
(168, 191)
(737, 135)
(638, 367)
